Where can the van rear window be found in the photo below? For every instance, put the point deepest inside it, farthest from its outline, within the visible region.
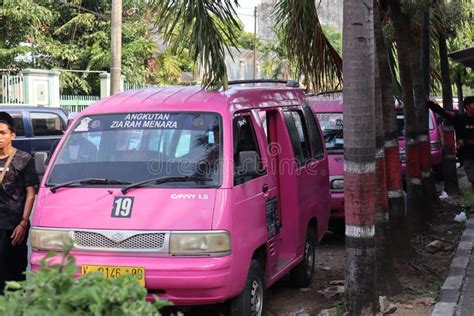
(401, 123)
(134, 147)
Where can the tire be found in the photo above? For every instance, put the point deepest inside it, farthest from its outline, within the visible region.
(302, 274)
(251, 300)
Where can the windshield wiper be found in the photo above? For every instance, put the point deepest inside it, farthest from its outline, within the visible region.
(87, 181)
(163, 180)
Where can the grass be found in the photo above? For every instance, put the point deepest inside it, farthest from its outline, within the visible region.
(435, 289)
(342, 308)
(467, 196)
(458, 228)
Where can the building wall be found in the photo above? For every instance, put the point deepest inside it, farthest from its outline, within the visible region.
(330, 12)
(240, 64)
(265, 20)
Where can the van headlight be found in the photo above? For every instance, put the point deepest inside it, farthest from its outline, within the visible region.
(200, 243)
(337, 184)
(50, 239)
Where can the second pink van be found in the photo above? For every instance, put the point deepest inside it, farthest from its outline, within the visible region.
(329, 110)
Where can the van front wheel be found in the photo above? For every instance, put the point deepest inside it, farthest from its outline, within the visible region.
(251, 300)
(302, 274)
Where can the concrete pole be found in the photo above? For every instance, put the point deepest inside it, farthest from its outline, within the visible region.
(255, 44)
(116, 68)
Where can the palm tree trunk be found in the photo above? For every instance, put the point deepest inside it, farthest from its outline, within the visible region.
(420, 63)
(399, 233)
(402, 29)
(386, 279)
(359, 155)
(451, 185)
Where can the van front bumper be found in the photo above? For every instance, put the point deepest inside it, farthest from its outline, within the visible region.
(337, 205)
(182, 280)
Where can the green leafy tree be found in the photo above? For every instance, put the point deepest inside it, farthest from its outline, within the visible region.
(304, 39)
(56, 290)
(334, 37)
(207, 28)
(75, 35)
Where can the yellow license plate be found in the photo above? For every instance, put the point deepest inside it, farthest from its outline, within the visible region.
(112, 272)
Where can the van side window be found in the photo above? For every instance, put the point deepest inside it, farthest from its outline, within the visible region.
(317, 149)
(46, 124)
(299, 135)
(19, 124)
(246, 148)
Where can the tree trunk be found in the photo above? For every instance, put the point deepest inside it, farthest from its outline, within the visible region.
(359, 155)
(421, 85)
(386, 279)
(402, 27)
(451, 185)
(399, 234)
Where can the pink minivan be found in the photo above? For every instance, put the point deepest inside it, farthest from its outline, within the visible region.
(436, 146)
(328, 110)
(204, 197)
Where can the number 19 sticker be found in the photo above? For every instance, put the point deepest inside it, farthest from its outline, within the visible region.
(122, 207)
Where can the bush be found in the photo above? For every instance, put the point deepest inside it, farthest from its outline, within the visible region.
(54, 290)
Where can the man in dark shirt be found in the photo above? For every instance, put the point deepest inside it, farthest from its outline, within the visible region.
(464, 126)
(17, 194)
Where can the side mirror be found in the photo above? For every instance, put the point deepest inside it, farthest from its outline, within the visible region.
(247, 164)
(40, 162)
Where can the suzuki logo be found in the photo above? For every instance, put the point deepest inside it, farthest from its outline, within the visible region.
(117, 237)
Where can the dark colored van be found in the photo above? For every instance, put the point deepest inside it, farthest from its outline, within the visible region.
(37, 128)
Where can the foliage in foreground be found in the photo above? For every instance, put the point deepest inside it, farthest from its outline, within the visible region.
(54, 290)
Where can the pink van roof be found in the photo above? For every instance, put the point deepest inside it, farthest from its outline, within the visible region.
(326, 104)
(197, 99)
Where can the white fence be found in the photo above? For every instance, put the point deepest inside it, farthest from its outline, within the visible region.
(18, 88)
(11, 89)
(130, 86)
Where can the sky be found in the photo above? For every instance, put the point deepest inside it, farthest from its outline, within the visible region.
(245, 13)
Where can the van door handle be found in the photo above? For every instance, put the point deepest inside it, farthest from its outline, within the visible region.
(265, 188)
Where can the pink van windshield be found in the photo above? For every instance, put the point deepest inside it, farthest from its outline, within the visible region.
(401, 123)
(332, 128)
(182, 148)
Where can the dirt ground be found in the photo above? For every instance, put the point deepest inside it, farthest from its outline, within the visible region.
(421, 278)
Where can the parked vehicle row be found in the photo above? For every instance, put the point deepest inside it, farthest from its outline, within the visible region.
(37, 128)
(329, 110)
(205, 197)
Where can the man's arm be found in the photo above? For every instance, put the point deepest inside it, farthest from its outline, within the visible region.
(449, 115)
(19, 232)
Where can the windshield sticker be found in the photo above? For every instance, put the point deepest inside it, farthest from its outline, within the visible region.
(145, 120)
(83, 125)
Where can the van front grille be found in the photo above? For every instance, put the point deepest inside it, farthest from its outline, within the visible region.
(136, 242)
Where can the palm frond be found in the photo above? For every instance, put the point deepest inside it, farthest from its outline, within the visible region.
(303, 36)
(206, 27)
